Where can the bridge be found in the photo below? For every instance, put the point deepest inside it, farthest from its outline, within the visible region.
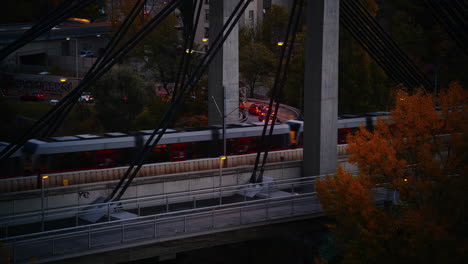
(70, 218)
(162, 205)
(62, 231)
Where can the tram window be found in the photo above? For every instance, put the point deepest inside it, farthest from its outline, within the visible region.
(160, 153)
(232, 146)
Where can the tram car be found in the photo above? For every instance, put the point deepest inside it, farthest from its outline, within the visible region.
(85, 152)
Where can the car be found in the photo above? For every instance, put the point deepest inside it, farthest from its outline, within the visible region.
(256, 108)
(87, 54)
(86, 97)
(33, 96)
(263, 114)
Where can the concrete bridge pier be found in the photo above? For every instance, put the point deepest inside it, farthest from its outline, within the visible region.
(223, 76)
(321, 87)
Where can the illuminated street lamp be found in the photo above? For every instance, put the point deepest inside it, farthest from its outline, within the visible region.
(280, 43)
(205, 39)
(76, 54)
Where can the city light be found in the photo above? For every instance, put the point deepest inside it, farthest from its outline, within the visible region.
(204, 39)
(280, 43)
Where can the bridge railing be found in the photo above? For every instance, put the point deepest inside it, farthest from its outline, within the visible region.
(164, 202)
(95, 238)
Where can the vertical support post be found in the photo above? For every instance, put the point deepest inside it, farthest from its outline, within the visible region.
(76, 57)
(167, 204)
(53, 247)
(292, 207)
(89, 237)
(123, 233)
(224, 69)
(212, 218)
(321, 87)
(155, 227)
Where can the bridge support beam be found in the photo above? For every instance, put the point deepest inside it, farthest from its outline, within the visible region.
(223, 76)
(321, 87)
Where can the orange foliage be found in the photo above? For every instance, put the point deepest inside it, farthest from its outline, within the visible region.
(420, 157)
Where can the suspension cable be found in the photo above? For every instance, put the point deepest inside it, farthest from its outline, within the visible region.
(93, 76)
(279, 91)
(253, 177)
(182, 95)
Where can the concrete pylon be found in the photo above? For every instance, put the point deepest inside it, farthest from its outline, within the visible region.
(321, 87)
(224, 69)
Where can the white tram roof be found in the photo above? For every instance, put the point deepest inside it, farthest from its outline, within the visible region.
(36, 146)
(92, 142)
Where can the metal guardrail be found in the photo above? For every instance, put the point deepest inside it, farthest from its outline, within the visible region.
(194, 197)
(102, 237)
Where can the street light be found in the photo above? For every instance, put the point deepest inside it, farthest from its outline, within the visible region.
(196, 51)
(42, 200)
(76, 54)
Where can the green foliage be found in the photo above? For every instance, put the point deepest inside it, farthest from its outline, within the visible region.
(82, 119)
(151, 115)
(255, 64)
(418, 33)
(294, 86)
(18, 116)
(273, 28)
(363, 86)
(120, 96)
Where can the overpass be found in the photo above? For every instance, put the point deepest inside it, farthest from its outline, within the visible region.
(156, 209)
(134, 223)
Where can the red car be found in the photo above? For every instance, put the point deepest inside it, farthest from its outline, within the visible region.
(256, 108)
(33, 96)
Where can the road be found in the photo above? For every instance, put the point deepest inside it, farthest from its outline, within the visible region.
(283, 113)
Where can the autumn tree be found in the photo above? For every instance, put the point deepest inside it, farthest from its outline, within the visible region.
(417, 160)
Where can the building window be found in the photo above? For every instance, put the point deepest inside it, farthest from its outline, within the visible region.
(251, 14)
(207, 32)
(207, 15)
(207, 2)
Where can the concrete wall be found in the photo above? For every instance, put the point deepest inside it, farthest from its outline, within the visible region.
(156, 169)
(59, 197)
(148, 170)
